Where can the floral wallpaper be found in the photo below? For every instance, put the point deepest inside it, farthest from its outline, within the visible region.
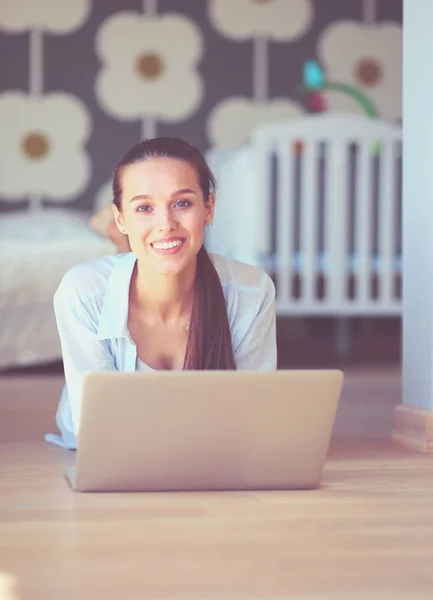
(82, 80)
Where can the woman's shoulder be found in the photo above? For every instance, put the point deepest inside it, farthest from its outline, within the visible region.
(239, 276)
(250, 298)
(89, 279)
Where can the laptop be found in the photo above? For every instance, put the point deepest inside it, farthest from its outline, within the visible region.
(166, 431)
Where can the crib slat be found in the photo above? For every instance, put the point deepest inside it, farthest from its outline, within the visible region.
(309, 215)
(336, 223)
(363, 223)
(387, 221)
(284, 219)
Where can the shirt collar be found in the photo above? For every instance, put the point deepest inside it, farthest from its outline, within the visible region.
(113, 322)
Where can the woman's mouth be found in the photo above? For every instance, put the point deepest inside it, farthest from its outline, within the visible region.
(168, 246)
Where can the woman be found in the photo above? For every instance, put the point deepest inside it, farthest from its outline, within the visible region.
(166, 304)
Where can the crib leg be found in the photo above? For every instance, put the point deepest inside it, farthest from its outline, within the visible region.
(342, 337)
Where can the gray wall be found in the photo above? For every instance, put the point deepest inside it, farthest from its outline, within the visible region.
(54, 52)
(417, 210)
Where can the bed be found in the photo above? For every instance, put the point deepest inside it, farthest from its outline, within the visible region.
(36, 250)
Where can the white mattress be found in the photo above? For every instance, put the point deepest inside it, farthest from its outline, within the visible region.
(36, 250)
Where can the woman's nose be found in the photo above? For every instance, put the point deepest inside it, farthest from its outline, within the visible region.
(165, 221)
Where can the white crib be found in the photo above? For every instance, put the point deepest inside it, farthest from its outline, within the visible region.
(316, 202)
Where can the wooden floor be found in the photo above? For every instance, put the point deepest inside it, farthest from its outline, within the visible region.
(366, 534)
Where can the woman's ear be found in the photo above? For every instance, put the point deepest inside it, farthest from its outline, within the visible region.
(209, 209)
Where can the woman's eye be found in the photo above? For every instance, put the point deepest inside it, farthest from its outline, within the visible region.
(183, 203)
(143, 208)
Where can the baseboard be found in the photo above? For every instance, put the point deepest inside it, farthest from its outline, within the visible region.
(413, 428)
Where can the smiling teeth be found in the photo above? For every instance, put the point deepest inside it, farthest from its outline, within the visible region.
(166, 246)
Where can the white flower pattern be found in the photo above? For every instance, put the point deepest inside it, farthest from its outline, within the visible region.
(278, 20)
(53, 17)
(232, 120)
(149, 66)
(43, 146)
(371, 61)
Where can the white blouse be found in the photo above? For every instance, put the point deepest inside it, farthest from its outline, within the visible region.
(91, 308)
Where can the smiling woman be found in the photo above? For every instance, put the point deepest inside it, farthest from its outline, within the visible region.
(166, 304)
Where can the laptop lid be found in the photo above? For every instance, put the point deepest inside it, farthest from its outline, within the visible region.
(205, 430)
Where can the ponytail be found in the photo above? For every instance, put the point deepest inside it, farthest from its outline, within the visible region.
(209, 345)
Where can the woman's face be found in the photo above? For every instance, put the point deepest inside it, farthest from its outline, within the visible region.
(163, 213)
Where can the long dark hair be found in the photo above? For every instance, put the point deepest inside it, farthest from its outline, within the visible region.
(209, 345)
